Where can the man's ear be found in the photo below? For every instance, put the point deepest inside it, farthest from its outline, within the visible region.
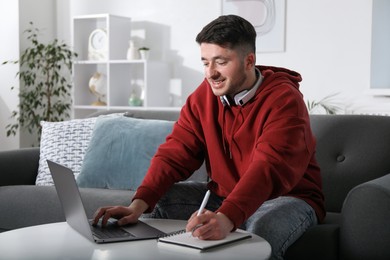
(250, 60)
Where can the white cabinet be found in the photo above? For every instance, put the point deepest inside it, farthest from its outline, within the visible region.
(147, 79)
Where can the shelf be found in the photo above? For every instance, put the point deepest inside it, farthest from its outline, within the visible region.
(86, 111)
(127, 108)
(148, 80)
(110, 62)
(379, 92)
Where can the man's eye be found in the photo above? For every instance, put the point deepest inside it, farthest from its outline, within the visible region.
(221, 62)
(205, 64)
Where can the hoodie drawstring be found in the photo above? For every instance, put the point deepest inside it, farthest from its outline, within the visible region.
(226, 141)
(222, 120)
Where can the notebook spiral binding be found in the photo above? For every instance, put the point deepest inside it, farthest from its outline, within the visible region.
(178, 232)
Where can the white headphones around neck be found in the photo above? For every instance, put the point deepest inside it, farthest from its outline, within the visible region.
(244, 96)
(241, 98)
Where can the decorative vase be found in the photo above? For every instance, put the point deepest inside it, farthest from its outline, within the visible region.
(132, 53)
(134, 100)
(144, 54)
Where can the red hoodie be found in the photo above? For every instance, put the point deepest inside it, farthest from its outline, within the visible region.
(255, 152)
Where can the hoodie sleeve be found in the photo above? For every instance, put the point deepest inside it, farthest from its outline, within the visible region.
(175, 160)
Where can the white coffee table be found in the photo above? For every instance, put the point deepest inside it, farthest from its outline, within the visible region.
(60, 241)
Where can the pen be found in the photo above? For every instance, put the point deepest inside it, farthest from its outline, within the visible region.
(202, 206)
(204, 202)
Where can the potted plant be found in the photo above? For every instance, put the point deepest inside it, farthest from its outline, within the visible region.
(326, 104)
(45, 92)
(144, 53)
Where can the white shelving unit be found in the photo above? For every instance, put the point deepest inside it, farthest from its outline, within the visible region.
(149, 79)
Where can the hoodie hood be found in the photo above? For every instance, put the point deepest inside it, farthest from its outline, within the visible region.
(277, 75)
(231, 118)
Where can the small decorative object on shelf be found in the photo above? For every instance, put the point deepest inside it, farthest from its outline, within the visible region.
(98, 45)
(144, 52)
(98, 87)
(132, 53)
(134, 100)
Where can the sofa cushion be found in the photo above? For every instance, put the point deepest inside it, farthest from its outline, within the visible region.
(351, 149)
(28, 205)
(367, 207)
(65, 143)
(120, 151)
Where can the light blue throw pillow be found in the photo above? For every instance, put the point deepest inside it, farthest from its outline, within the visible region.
(120, 151)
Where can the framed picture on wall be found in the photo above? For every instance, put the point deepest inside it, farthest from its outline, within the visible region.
(267, 16)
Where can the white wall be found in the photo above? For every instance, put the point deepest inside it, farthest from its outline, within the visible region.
(15, 16)
(42, 14)
(327, 41)
(9, 50)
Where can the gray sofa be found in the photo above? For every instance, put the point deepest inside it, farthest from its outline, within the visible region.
(353, 152)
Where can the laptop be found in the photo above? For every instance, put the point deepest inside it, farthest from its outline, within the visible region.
(76, 217)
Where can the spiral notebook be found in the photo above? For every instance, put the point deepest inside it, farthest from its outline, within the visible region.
(183, 238)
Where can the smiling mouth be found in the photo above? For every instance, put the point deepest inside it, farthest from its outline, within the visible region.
(216, 83)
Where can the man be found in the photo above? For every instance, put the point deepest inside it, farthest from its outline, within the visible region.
(251, 126)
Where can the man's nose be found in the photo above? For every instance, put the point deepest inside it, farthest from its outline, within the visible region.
(211, 72)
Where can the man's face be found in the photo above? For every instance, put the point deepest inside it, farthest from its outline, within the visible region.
(225, 69)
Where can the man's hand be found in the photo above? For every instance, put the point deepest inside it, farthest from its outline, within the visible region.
(124, 215)
(209, 225)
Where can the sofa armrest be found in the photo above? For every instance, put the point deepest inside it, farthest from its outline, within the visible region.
(364, 232)
(19, 167)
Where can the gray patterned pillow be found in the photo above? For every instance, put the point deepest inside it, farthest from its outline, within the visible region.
(65, 143)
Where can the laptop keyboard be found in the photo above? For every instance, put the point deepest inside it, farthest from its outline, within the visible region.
(110, 231)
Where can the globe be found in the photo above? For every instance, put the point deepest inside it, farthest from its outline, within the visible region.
(97, 86)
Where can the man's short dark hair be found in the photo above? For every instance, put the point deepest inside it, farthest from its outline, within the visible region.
(229, 31)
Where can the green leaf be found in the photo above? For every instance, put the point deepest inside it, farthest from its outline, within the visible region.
(45, 75)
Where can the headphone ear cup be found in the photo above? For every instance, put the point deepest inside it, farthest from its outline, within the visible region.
(238, 98)
(224, 100)
(244, 96)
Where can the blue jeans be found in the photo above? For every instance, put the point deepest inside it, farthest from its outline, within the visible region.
(280, 221)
